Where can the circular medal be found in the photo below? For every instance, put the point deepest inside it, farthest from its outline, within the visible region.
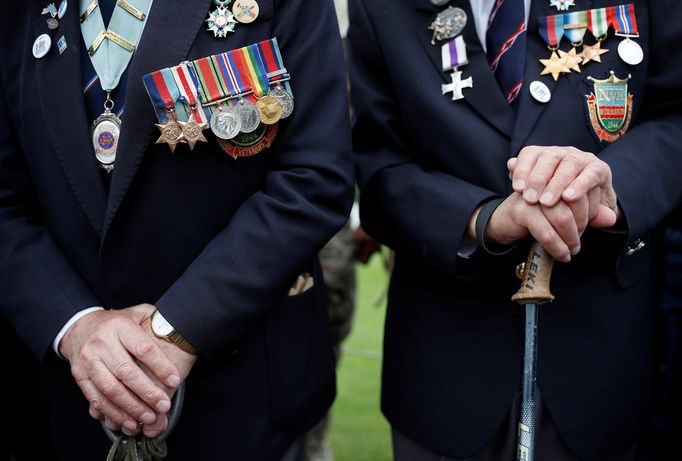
(226, 123)
(42, 46)
(245, 11)
(448, 24)
(630, 52)
(439, 2)
(285, 99)
(249, 115)
(62, 9)
(52, 23)
(540, 92)
(270, 110)
(105, 134)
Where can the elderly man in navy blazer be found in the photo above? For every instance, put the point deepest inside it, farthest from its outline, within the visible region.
(481, 124)
(219, 251)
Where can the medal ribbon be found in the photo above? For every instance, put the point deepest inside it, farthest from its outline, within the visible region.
(454, 54)
(162, 89)
(552, 30)
(111, 50)
(598, 22)
(188, 90)
(625, 20)
(272, 58)
(247, 71)
(575, 26)
(211, 83)
(236, 68)
(258, 75)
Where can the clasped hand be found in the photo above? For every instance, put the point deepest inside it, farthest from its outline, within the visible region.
(558, 193)
(127, 374)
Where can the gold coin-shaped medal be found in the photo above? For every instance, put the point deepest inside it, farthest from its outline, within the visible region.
(245, 11)
(270, 110)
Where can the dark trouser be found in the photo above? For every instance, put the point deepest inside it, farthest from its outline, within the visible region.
(502, 447)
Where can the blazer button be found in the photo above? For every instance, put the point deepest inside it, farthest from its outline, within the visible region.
(635, 247)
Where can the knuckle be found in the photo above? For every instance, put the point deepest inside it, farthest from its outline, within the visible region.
(126, 371)
(144, 349)
(111, 388)
(536, 178)
(96, 404)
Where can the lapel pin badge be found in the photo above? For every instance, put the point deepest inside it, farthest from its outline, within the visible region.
(42, 46)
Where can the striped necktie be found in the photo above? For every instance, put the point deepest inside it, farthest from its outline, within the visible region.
(506, 43)
(92, 91)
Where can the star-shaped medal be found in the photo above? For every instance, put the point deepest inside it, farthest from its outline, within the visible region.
(221, 21)
(562, 5)
(171, 134)
(592, 53)
(554, 66)
(192, 131)
(571, 59)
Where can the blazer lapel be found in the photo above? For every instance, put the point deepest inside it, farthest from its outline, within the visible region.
(58, 79)
(485, 96)
(167, 38)
(530, 110)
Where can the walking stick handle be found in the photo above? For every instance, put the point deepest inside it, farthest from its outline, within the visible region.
(537, 274)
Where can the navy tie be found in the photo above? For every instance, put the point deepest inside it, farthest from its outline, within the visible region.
(506, 43)
(92, 90)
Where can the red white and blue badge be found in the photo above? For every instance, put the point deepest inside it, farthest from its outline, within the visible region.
(609, 108)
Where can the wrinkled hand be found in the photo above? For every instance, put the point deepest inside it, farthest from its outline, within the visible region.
(112, 358)
(548, 175)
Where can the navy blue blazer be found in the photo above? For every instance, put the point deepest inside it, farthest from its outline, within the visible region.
(453, 344)
(213, 242)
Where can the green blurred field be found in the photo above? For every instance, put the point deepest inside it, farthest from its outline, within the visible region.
(359, 431)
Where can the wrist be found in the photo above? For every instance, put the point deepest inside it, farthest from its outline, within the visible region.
(164, 331)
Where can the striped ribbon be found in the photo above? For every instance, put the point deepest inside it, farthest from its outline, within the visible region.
(454, 54)
(552, 30)
(575, 26)
(624, 20)
(598, 22)
(272, 58)
(162, 89)
(188, 91)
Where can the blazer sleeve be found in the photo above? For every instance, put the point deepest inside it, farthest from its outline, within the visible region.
(404, 204)
(41, 290)
(647, 161)
(247, 268)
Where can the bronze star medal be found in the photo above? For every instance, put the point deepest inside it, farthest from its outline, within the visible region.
(572, 59)
(192, 132)
(554, 66)
(592, 53)
(171, 134)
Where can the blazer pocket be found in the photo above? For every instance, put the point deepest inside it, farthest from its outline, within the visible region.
(300, 357)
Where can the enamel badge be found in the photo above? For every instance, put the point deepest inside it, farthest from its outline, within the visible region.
(609, 108)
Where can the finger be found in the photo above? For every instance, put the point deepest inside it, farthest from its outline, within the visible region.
(540, 228)
(523, 165)
(581, 214)
(568, 169)
(157, 428)
(511, 164)
(563, 221)
(540, 175)
(119, 395)
(140, 345)
(594, 199)
(605, 218)
(595, 174)
(114, 417)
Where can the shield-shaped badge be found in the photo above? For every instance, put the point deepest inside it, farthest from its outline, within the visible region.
(609, 108)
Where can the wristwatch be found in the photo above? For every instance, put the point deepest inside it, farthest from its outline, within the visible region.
(164, 330)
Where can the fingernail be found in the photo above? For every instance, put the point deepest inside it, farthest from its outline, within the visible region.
(130, 425)
(148, 418)
(575, 250)
(569, 193)
(126, 431)
(530, 195)
(163, 406)
(547, 198)
(173, 381)
(519, 184)
(567, 259)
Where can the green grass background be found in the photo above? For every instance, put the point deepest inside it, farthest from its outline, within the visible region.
(359, 431)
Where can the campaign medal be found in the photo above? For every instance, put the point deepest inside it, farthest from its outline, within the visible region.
(250, 144)
(164, 93)
(453, 56)
(106, 131)
(609, 108)
(575, 28)
(277, 76)
(598, 25)
(625, 24)
(192, 132)
(192, 129)
(245, 11)
(226, 123)
(448, 24)
(270, 109)
(51, 11)
(285, 100)
(552, 31)
(248, 114)
(221, 20)
(562, 5)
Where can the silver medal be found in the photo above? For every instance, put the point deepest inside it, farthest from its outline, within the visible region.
(540, 92)
(249, 115)
(630, 52)
(284, 98)
(221, 20)
(226, 123)
(52, 23)
(448, 24)
(106, 131)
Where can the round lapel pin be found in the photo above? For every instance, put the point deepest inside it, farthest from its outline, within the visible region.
(42, 46)
(245, 11)
(540, 92)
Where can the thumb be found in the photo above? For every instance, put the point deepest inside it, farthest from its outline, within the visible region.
(604, 218)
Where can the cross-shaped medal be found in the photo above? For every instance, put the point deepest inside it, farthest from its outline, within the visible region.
(457, 85)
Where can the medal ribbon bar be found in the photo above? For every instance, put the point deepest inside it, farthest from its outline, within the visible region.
(625, 20)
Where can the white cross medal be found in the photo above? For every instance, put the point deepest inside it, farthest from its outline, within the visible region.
(454, 55)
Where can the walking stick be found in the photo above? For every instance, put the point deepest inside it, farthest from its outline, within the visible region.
(534, 291)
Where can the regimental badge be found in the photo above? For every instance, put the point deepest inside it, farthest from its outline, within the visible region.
(221, 20)
(250, 144)
(448, 24)
(609, 108)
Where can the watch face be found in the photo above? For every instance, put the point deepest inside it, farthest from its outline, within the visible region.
(160, 325)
